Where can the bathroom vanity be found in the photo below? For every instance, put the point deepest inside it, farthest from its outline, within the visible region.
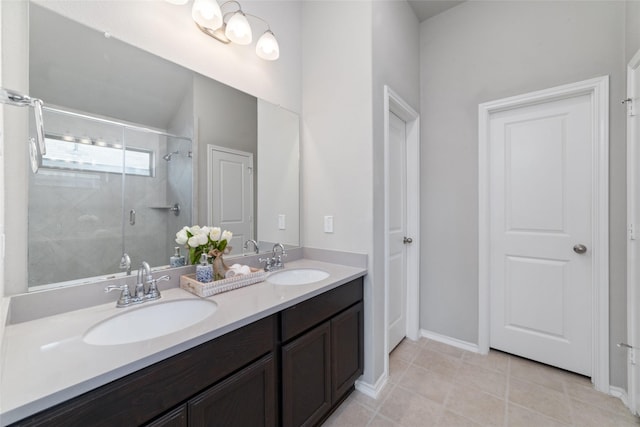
(290, 364)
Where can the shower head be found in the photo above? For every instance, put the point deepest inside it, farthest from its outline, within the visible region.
(167, 156)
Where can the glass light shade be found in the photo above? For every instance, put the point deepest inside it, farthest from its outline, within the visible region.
(178, 2)
(238, 29)
(267, 47)
(207, 14)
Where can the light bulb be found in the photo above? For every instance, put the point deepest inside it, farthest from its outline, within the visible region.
(238, 29)
(267, 47)
(207, 14)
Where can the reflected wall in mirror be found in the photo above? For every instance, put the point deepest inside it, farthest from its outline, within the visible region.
(278, 173)
(86, 209)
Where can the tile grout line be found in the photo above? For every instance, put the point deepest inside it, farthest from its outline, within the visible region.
(451, 380)
(569, 401)
(376, 410)
(392, 387)
(506, 393)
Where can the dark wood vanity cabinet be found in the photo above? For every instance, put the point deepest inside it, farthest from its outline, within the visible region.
(164, 387)
(347, 346)
(306, 377)
(325, 357)
(248, 398)
(292, 368)
(175, 418)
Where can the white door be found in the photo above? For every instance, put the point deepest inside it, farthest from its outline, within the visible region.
(231, 193)
(397, 199)
(540, 222)
(633, 206)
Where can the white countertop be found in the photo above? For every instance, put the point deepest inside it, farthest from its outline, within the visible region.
(45, 361)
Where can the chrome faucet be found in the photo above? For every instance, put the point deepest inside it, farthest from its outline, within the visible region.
(275, 262)
(255, 245)
(141, 294)
(125, 263)
(125, 299)
(144, 275)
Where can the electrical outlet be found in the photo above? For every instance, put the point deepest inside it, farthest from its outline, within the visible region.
(281, 222)
(328, 224)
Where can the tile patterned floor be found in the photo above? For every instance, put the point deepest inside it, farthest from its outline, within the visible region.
(433, 384)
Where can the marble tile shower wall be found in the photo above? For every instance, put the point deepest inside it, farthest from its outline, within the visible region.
(76, 218)
(179, 190)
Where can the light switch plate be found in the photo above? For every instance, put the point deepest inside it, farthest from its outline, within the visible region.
(281, 222)
(328, 224)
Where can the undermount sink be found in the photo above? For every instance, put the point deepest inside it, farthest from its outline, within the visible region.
(150, 321)
(297, 276)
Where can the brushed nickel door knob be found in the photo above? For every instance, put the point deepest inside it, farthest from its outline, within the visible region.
(580, 248)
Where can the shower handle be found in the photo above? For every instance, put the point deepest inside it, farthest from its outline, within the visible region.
(132, 217)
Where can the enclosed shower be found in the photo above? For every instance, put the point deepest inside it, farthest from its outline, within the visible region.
(108, 193)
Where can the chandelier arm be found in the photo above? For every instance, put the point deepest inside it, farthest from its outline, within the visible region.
(260, 19)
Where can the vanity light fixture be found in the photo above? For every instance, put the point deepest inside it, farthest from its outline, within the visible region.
(232, 26)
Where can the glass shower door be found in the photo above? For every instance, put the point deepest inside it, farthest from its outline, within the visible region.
(157, 194)
(75, 202)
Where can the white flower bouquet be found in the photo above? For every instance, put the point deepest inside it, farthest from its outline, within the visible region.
(204, 240)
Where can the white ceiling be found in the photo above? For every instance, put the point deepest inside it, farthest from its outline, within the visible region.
(425, 9)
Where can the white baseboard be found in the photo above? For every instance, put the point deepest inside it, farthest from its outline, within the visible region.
(621, 394)
(372, 390)
(454, 342)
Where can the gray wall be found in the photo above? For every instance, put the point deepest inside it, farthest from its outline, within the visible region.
(225, 117)
(482, 51)
(336, 141)
(396, 36)
(632, 28)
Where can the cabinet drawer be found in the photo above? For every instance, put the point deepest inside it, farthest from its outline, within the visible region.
(307, 314)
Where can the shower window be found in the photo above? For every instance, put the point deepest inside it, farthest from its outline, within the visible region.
(90, 155)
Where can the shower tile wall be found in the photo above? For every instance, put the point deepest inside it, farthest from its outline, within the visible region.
(75, 218)
(179, 190)
(145, 241)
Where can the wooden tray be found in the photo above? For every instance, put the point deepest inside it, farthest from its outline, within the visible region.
(189, 283)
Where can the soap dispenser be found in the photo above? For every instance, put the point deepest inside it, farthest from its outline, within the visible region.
(177, 260)
(204, 270)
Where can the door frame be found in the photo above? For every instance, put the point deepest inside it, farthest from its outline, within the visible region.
(633, 210)
(598, 91)
(395, 104)
(217, 148)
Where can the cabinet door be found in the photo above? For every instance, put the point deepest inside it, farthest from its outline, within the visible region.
(347, 344)
(175, 418)
(306, 378)
(247, 398)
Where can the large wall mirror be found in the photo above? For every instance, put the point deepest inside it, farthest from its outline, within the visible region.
(137, 148)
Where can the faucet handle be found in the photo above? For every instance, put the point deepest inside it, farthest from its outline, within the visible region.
(279, 262)
(154, 293)
(268, 263)
(125, 295)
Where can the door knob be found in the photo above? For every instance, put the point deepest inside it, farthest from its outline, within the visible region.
(580, 248)
(407, 240)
